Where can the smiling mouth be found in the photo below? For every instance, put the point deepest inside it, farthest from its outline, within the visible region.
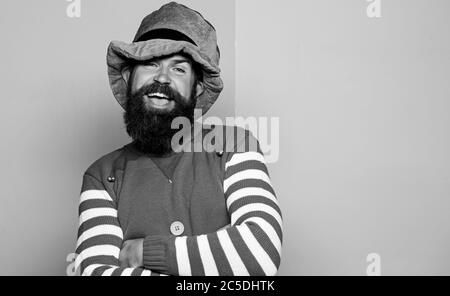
(158, 99)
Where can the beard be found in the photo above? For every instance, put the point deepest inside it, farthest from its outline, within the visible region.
(151, 129)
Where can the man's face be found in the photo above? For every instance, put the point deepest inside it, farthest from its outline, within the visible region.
(160, 90)
(164, 81)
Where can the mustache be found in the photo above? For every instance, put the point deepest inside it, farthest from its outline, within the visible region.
(157, 87)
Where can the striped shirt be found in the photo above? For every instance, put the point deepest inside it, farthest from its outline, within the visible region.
(211, 191)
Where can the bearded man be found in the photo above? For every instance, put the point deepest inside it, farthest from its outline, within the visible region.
(150, 208)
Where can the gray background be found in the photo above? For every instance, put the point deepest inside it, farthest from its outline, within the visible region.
(363, 105)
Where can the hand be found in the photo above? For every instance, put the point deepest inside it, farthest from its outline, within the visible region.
(131, 254)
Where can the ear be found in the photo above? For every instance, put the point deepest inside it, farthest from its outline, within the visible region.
(126, 74)
(199, 89)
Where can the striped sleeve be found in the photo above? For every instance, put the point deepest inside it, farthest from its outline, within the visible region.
(252, 243)
(100, 236)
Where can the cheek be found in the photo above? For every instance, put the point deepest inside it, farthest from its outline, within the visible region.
(139, 79)
(136, 84)
(184, 87)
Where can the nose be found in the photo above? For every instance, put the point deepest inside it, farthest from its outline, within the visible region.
(162, 76)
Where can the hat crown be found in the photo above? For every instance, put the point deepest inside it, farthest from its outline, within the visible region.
(180, 18)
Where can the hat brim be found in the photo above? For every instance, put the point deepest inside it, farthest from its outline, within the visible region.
(120, 54)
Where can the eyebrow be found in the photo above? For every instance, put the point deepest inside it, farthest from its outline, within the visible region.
(181, 60)
(174, 61)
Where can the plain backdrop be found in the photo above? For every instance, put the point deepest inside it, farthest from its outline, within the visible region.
(363, 105)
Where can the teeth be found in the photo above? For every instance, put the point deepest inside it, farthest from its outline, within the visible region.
(159, 102)
(158, 95)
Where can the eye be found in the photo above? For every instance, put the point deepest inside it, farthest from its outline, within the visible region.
(151, 65)
(180, 70)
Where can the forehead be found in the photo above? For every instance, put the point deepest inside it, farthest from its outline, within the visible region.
(174, 58)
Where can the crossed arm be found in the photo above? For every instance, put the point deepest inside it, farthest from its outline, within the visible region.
(250, 246)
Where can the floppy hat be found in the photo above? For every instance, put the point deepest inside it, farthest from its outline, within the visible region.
(174, 28)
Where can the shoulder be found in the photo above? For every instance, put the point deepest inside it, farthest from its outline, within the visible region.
(102, 167)
(230, 138)
(238, 139)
